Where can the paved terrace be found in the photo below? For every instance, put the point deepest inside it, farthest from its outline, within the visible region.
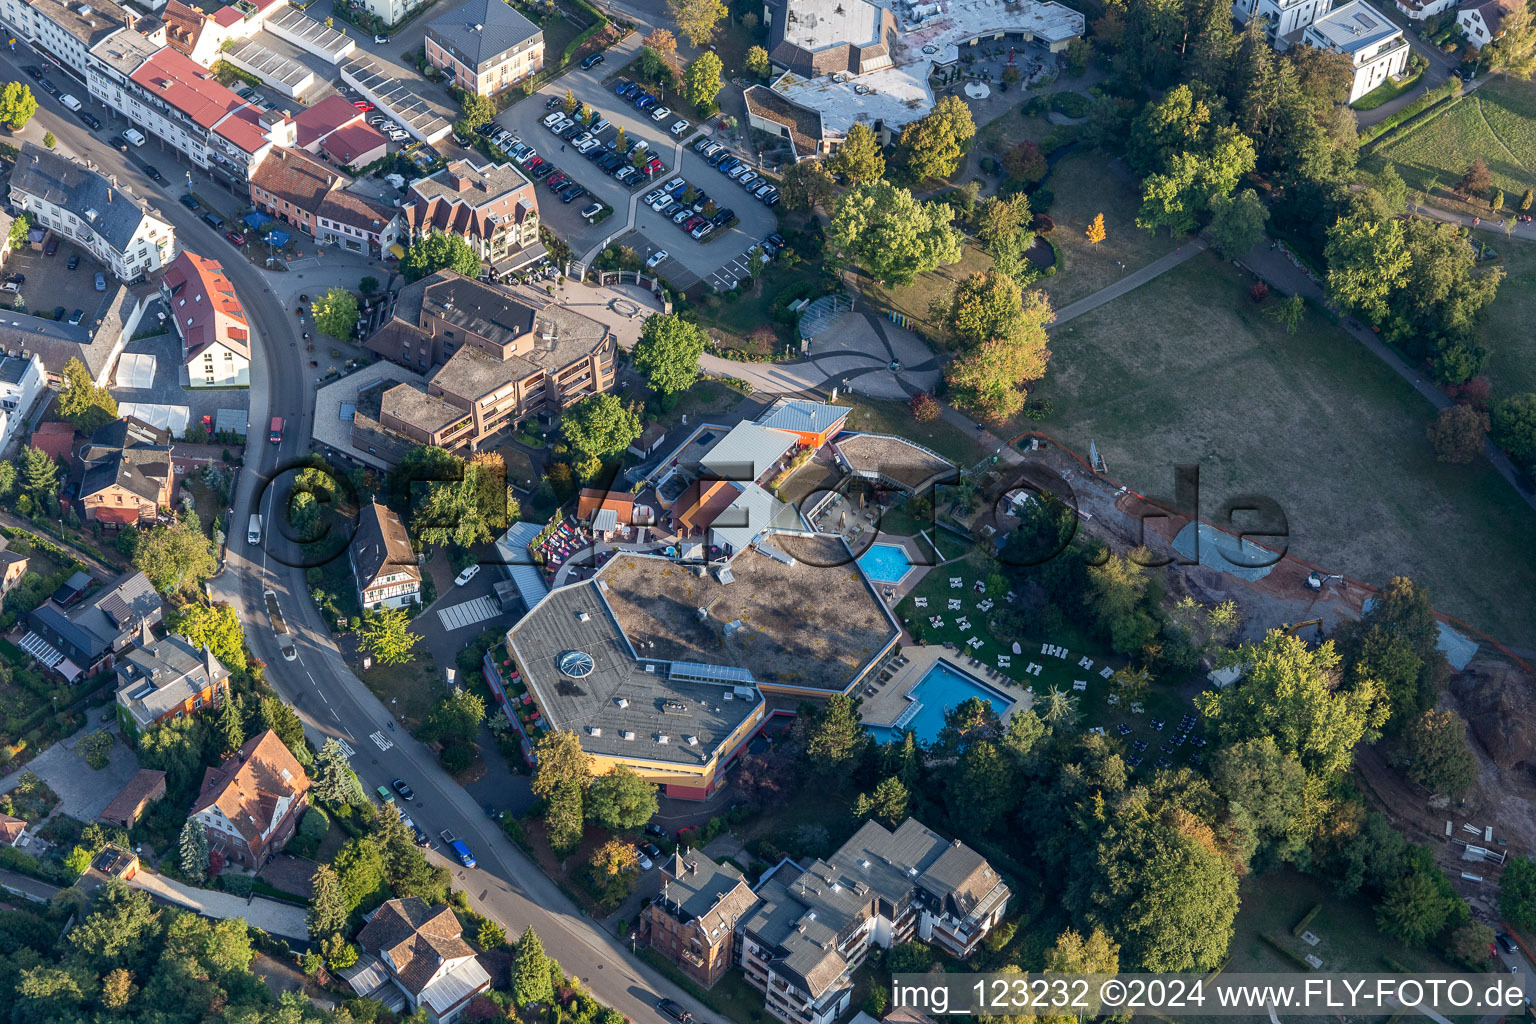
(815, 624)
(427, 119)
(899, 676)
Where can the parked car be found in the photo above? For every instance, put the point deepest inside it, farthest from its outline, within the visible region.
(543, 171)
(772, 198)
(776, 240)
(385, 796)
(574, 194)
(33, 72)
(723, 218)
(459, 848)
(682, 214)
(750, 180)
(592, 211)
(153, 173)
(421, 836)
(645, 102)
(101, 281)
(51, 246)
(679, 127)
(90, 119)
(467, 575)
(74, 262)
(48, 87)
(675, 1011)
(651, 850)
(485, 130)
(592, 62)
(16, 279)
(380, 39)
(601, 124)
(580, 137)
(235, 238)
(661, 113)
(653, 829)
(550, 120)
(362, 105)
(401, 788)
(702, 229)
(1505, 942)
(661, 203)
(58, 313)
(657, 258)
(189, 201)
(76, 317)
(641, 859)
(588, 146)
(621, 85)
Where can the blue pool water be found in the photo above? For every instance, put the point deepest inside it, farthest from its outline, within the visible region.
(943, 687)
(885, 563)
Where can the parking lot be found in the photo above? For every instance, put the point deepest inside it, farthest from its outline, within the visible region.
(50, 285)
(689, 261)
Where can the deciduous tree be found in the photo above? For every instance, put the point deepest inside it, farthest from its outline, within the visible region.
(806, 185)
(81, 401)
(614, 867)
(1517, 891)
(1025, 164)
(599, 426)
(386, 634)
(1367, 261)
(701, 81)
(1476, 181)
(931, 147)
(1457, 434)
(884, 230)
(17, 105)
(662, 41)
(697, 19)
(1000, 218)
(620, 799)
(668, 352)
(1512, 421)
(860, 161)
(1095, 232)
(176, 558)
(1237, 222)
(335, 313)
(216, 627)
(438, 251)
(757, 61)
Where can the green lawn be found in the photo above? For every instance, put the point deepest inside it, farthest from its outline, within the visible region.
(1386, 92)
(1497, 123)
(1507, 326)
(748, 323)
(1186, 370)
(410, 690)
(916, 299)
(875, 416)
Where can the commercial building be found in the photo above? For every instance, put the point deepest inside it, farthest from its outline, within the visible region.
(251, 804)
(383, 562)
(79, 640)
(420, 951)
(91, 210)
(167, 95)
(128, 476)
(314, 198)
(495, 361)
(165, 679)
(485, 46)
(813, 927)
(215, 339)
(662, 667)
(493, 208)
(692, 922)
(64, 30)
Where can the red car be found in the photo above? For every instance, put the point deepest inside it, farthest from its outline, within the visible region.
(362, 105)
(653, 166)
(235, 237)
(692, 222)
(556, 180)
(533, 163)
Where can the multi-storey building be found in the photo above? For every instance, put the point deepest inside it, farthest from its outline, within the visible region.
(314, 198)
(420, 951)
(693, 920)
(812, 928)
(251, 804)
(498, 361)
(383, 562)
(78, 640)
(1373, 43)
(22, 379)
(166, 94)
(128, 474)
(485, 46)
(166, 679)
(215, 340)
(66, 30)
(91, 210)
(493, 208)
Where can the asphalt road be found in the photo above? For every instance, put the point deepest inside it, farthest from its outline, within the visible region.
(507, 886)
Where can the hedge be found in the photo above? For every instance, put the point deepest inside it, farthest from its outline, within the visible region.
(1430, 99)
(1292, 957)
(1306, 919)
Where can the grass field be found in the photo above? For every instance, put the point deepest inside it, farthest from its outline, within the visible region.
(916, 299)
(1186, 370)
(1497, 123)
(886, 417)
(1507, 324)
(1085, 186)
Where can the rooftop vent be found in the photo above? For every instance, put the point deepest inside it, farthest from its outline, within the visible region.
(692, 741)
(662, 738)
(864, 863)
(627, 734)
(594, 730)
(583, 616)
(622, 702)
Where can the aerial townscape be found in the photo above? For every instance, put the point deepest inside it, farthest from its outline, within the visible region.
(695, 511)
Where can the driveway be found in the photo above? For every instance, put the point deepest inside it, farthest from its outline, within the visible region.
(690, 261)
(83, 791)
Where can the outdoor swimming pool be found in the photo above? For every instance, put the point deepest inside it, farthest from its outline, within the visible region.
(943, 687)
(885, 563)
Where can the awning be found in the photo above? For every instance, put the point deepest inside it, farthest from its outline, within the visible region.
(256, 220)
(397, 252)
(521, 258)
(68, 670)
(278, 238)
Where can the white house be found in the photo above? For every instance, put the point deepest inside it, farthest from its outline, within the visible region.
(383, 561)
(215, 340)
(1284, 19)
(414, 956)
(1372, 41)
(91, 210)
(1419, 10)
(67, 31)
(1481, 21)
(22, 379)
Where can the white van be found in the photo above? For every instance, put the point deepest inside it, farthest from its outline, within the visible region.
(134, 136)
(253, 531)
(70, 102)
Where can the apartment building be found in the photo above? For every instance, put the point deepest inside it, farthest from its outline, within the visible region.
(251, 804)
(494, 360)
(314, 198)
(383, 561)
(78, 640)
(1373, 43)
(22, 379)
(813, 927)
(63, 30)
(165, 679)
(485, 46)
(215, 339)
(91, 210)
(1283, 19)
(693, 921)
(493, 208)
(166, 94)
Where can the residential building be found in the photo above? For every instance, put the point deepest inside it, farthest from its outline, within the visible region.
(693, 921)
(215, 339)
(1284, 20)
(165, 679)
(485, 46)
(167, 95)
(651, 438)
(813, 927)
(66, 31)
(1482, 21)
(383, 561)
(12, 567)
(812, 423)
(128, 476)
(91, 210)
(339, 132)
(493, 208)
(11, 830)
(146, 786)
(784, 618)
(389, 12)
(1419, 10)
(97, 342)
(312, 197)
(22, 379)
(421, 951)
(494, 360)
(1372, 41)
(89, 636)
(251, 804)
(193, 33)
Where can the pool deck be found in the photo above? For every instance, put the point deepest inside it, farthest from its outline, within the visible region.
(886, 704)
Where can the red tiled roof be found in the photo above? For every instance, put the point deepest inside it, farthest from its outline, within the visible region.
(247, 787)
(227, 16)
(324, 117)
(179, 81)
(11, 828)
(123, 516)
(183, 25)
(291, 175)
(350, 145)
(204, 305)
(57, 439)
(345, 207)
(243, 128)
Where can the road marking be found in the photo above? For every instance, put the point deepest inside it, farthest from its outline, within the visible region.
(346, 748)
(379, 739)
(467, 614)
(322, 696)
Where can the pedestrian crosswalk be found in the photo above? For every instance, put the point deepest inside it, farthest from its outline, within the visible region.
(467, 614)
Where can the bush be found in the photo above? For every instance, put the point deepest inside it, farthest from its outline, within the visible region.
(1071, 104)
(457, 757)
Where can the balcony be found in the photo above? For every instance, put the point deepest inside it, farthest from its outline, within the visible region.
(692, 957)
